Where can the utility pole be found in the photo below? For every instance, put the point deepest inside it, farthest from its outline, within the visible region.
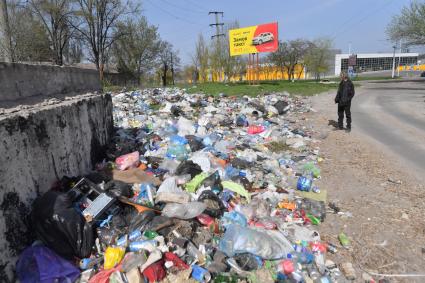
(217, 25)
(217, 35)
(399, 58)
(172, 68)
(5, 33)
(393, 73)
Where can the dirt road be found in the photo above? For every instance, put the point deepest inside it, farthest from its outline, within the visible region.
(374, 178)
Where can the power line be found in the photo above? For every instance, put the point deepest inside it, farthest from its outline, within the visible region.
(183, 8)
(197, 5)
(171, 14)
(379, 9)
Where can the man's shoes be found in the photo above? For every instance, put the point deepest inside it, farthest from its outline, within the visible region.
(348, 129)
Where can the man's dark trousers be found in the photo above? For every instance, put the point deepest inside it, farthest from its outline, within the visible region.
(341, 109)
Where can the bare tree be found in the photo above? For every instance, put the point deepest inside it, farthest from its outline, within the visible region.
(168, 60)
(409, 25)
(98, 20)
(6, 41)
(55, 15)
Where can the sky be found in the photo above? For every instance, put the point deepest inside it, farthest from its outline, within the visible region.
(361, 23)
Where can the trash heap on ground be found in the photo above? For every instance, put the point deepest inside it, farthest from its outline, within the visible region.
(193, 189)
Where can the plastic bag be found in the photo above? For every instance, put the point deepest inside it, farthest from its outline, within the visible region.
(213, 182)
(310, 168)
(185, 127)
(40, 264)
(234, 218)
(177, 151)
(188, 167)
(125, 161)
(215, 206)
(234, 187)
(194, 184)
(183, 211)
(281, 106)
(61, 227)
(113, 256)
(155, 272)
(176, 139)
(267, 244)
(253, 129)
(304, 184)
(202, 159)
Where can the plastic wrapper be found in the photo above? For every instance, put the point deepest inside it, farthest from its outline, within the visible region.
(233, 218)
(113, 256)
(126, 161)
(184, 211)
(264, 243)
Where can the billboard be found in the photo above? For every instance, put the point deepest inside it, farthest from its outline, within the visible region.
(254, 39)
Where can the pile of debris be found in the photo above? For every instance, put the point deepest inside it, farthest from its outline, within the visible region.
(194, 189)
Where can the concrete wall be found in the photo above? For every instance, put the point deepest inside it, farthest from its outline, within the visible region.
(23, 80)
(42, 142)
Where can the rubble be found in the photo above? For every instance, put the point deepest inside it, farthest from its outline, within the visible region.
(206, 189)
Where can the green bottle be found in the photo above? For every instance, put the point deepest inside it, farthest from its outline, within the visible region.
(150, 234)
(314, 220)
(343, 239)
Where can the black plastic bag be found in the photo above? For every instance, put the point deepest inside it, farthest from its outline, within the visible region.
(215, 207)
(213, 181)
(281, 106)
(118, 188)
(195, 143)
(60, 227)
(188, 167)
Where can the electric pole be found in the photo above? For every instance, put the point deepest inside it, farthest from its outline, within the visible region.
(393, 72)
(399, 58)
(5, 33)
(172, 68)
(217, 25)
(217, 35)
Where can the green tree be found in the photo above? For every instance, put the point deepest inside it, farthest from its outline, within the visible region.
(409, 25)
(136, 48)
(30, 40)
(289, 55)
(201, 58)
(318, 57)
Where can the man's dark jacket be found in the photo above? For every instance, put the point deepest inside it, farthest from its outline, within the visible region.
(345, 93)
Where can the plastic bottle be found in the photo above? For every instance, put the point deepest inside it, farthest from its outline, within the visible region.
(194, 252)
(132, 260)
(344, 240)
(142, 245)
(313, 273)
(319, 259)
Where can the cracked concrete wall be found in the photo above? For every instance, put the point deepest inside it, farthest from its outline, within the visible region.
(40, 144)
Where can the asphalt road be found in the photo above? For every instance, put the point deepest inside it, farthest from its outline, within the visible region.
(392, 113)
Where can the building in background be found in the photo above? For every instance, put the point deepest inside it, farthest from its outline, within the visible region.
(373, 62)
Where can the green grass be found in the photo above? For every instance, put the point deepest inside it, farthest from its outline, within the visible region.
(305, 88)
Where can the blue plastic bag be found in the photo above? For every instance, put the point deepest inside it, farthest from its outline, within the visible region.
(39, 264)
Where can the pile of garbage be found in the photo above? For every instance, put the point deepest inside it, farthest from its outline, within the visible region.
(194, 189)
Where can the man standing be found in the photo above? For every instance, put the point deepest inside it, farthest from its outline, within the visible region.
(343, 98)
